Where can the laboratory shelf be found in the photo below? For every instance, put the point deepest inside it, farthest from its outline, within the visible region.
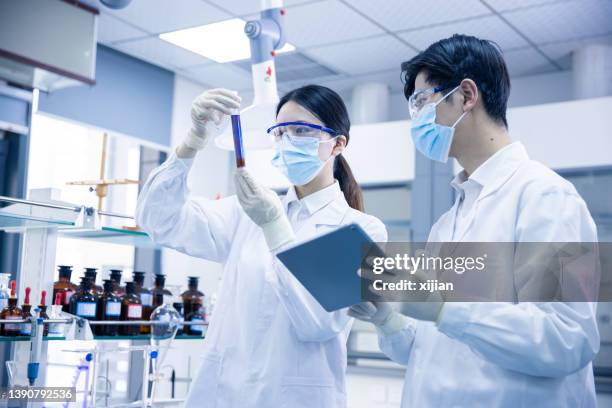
(145, 337)
(24, 338)
(21, 215)
(19, 223)
(4, 339)
(112, 235)
(72, 221)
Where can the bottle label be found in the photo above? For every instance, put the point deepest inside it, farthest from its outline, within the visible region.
(86, 309)
(113, 309)
(147, 299)
(197, 328)
(56, 329)
(25, 329)
(134, 311)
(8, 327)
(67, 295)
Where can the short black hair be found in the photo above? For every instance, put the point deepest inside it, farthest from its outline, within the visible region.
(449, 61)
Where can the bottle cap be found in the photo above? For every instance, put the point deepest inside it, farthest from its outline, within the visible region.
(129, 288)
(138, 277)
(43, 295)
(193, 281)
(91, 274)
(160, 280)
(65, 271)
(58, 299)
(27, 296)
(13, 288)
(115, 274)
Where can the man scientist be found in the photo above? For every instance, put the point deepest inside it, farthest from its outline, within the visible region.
(496, 354)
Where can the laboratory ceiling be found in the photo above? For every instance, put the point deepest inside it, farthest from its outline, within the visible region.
(343, 42)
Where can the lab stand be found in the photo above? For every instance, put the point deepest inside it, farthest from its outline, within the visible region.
(42, 219)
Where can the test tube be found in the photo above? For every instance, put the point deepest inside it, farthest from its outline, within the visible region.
(237, 131)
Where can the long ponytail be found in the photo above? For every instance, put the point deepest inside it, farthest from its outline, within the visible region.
(348, 184)
(328, 106)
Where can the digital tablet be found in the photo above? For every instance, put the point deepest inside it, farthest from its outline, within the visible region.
(327, 266)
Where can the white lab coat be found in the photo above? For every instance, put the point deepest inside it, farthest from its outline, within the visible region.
(502, 354)
(269, 344)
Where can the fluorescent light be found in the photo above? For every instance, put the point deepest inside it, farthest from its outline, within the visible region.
(224, 41)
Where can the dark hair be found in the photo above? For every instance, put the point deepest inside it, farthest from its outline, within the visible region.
(328, 106)
(453, 59)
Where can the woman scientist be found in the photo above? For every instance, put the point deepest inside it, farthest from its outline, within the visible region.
(269, 344)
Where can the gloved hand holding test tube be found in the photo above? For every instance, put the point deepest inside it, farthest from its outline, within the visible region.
(237, 132)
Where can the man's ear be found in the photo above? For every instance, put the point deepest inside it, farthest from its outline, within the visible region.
(470, 94)
(340, 145)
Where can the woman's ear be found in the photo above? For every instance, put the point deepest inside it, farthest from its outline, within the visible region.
(469, 90)
(339, 145)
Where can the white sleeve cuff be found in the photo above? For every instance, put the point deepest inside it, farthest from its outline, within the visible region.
(454, 318)
(180, 161)
(393, 324)
(278, 232)
(195, 140)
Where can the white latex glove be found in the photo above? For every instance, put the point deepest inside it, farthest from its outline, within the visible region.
(209, 116)
(380, 314)
(425, 310)
(264, 207)
(375, 313)
(421, 306)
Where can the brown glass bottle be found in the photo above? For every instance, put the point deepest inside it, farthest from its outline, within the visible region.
(145, 297)
(26, 313)
(115, 276)
(192, 297)
(84, 303)
(131, 309)
(179, 308)
(92, 273)
(64, 286)
(109, 309)
(11, 312)
(43, 311)
(160, 294)
(197, 315)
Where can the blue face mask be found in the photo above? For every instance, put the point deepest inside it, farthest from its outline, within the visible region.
(299, 161)
(430, 138)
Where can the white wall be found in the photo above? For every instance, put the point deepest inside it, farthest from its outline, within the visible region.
(565, 134)
(527, 90)
(539, 89)
(209, 176)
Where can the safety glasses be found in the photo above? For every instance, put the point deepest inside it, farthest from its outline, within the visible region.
(299, 132)
(418, 99)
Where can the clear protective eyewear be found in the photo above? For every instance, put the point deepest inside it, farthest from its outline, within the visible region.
(299, 132)
(418, 99)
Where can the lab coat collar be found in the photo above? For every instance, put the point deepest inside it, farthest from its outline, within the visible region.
(495, 171)
(331, 198)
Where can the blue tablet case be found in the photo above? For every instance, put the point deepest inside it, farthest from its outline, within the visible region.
(327, 266)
